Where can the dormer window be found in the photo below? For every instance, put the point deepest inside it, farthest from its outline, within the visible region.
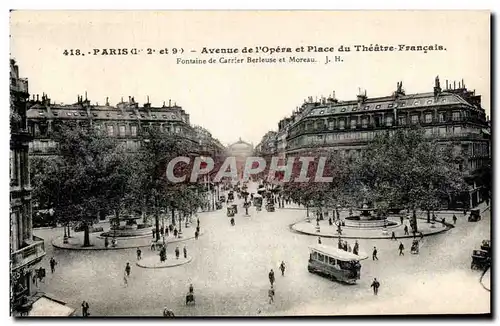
(322, 112)
(429, 102)
(390, 105)
(69, 114)
(95, 114)
(343, 110)
(354, 108)
(416, 103)
(403, 104)
(75, 114)
(143, 116)
(55, 114)
(164, 116)
(41, 112)
(367, 107)
(377, 107)
(443, 100)
(83, 114)
(154, 116)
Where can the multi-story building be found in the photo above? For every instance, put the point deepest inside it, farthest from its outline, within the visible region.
(241, 150)
(25, 249)
(451, 115)
(268, 144)
(207, 143)
(127, 121)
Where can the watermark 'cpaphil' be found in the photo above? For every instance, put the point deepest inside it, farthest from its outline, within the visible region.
(296, 169)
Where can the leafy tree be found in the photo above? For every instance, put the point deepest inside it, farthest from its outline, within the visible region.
(78, 182)
(406, 169)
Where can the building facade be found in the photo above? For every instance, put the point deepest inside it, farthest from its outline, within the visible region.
(25, 249)
(451, 115)
(127, 121)
(241, 150)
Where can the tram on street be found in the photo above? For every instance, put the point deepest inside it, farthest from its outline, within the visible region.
(334, 263)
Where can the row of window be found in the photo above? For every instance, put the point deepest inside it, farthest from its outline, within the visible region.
(305, 140)
(375, 106)
(119, 115)
(330, 261)
(377, 121)
(110, 129)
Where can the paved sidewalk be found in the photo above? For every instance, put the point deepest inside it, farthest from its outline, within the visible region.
(97, 243)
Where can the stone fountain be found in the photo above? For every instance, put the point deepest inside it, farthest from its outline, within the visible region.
(367, 220)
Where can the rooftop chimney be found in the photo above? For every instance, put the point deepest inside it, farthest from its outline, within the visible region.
(437, 86)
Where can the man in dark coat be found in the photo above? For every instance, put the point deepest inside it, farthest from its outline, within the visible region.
(401, 248)
(375, 285)
(271, 277)
(374, 254)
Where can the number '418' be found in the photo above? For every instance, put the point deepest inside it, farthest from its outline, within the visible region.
(72, 52)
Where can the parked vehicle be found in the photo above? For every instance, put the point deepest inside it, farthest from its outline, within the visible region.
(474, 215)
(480, 259)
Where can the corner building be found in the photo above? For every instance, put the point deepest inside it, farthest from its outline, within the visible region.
(26, 250)
(452, 115)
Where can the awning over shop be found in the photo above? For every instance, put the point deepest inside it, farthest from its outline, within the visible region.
(47, 307)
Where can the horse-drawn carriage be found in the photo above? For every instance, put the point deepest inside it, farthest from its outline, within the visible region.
(190, 296)
(475, 215)
(415, 247)
(270, 207)
(480, 259)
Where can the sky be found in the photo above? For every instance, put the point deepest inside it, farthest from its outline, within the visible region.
(245, 100)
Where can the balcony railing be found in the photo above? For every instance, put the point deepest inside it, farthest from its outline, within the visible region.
(29, 254)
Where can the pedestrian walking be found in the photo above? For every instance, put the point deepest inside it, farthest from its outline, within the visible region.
(374, 254)
(271, 277)
(355, 250)
(106, 242)
(198, 222)
(85, 309)
(349, 249)
(401, 248)
(198, 229)
(443, 220)
(271, 295)
(53, 264)
(177, 252)
(196, 235)
(319, 240)
(185, 252)
(139, 253)
(393, 236)
(401, 218)
(153, 231)
(153, 245)
(454, 219)
(465, 212)
(406, 230)
(176, 232)
(162, 231)
(127, 269)
(282, 268)
(375, 285)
